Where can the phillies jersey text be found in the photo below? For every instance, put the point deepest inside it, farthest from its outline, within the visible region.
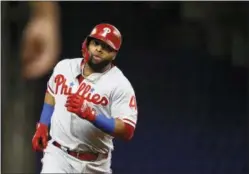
(109, 93)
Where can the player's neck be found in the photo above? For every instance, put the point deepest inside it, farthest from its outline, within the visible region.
(87, 70)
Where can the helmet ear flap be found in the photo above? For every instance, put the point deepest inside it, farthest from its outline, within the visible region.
(85, 52)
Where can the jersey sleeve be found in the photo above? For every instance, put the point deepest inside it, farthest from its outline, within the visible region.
(51, 82)
(124, 105)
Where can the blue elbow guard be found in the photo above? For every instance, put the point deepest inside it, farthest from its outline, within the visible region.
(46, 114)
(105, 124)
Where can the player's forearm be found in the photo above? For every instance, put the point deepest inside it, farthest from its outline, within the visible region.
(123, 130)
(49, 99)
(48, 10)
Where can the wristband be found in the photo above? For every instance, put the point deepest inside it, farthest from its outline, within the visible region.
(105, 124)
(46, 114)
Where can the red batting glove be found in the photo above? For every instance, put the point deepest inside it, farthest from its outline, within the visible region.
(77, 104)
(40, 139)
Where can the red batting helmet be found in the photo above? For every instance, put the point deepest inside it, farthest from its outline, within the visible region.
(105, 32)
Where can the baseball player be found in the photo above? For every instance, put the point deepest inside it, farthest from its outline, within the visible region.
(88, 102)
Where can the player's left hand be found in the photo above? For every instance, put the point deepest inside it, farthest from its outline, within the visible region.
(77, 104)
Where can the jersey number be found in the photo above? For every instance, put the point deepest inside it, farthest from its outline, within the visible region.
(133, 103)
(106, 31)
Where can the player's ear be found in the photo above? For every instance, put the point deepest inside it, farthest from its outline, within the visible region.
(115, 55)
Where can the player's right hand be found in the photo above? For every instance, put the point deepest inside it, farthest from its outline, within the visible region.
(40, 139)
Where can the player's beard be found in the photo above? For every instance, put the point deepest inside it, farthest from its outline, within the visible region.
(98, 67)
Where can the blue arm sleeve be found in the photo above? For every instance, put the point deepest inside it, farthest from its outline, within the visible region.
(46, 114)
(105, 124)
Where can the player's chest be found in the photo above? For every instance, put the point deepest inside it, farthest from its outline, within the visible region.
(94, 92)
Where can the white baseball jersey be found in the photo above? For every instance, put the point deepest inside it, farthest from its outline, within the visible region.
(109, 93)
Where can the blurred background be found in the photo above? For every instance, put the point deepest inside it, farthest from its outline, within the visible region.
(188, 63)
